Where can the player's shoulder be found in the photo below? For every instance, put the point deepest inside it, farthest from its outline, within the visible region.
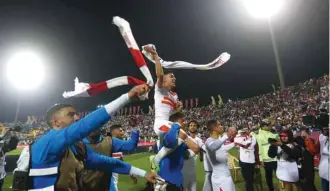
(159, 90)
(209, 140)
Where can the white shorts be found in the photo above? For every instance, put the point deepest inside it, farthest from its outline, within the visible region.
(162, 126)
(223, 183)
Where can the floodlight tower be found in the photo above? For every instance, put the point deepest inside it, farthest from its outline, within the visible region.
(25, 71)
(267, 9)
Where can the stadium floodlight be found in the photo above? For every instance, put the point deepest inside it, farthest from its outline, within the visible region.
(263, 8)
(25, 71)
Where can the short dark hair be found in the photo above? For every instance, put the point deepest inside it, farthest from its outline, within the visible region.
(167, 71)
(53, 111)
(211, 124)
(114, 127)
(194, 121)
(176, 116)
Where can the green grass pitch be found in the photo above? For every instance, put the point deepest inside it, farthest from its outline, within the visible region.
(142, 161)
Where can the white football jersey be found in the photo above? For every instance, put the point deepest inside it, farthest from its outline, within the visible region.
(246, 148)
(219, 158)
(189, 165)
(206, 161)
(165, 103)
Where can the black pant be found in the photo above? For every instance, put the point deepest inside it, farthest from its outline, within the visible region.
(309, 181)
(1, 183)
(269, 168)
(248, 174)
(173, 187)
(169, 187)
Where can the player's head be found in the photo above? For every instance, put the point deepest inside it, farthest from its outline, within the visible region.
(179, 118)
(193, 126)
(214, 126)
(169, 79)
(117, 131)
(61, 115)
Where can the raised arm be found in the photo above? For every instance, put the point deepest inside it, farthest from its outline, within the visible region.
(104, 163)
(193, 146)
(100, 162)
(82, 128)
(159, 68)
(119, 145)
(215, 145)
(245, 143)
(293, 152)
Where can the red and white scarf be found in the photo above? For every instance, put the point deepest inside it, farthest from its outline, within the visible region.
(219, 61)
(126, 32)
(89, 89)
(82, 89)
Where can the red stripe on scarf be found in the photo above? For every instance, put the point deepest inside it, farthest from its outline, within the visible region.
(137, 55)
(97, 88)
(135, 81)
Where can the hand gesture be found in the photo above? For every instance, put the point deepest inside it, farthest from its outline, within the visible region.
(151, 177)
(151, 51)
(137, 91)
(179, 106)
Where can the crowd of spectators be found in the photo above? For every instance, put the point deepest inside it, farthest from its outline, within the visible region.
(285, 107)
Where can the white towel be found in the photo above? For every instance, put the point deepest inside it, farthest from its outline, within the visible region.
(219, 61)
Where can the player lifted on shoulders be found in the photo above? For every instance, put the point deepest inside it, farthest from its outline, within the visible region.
(166, 103)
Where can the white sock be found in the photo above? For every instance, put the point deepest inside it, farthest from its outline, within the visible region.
(164, 152)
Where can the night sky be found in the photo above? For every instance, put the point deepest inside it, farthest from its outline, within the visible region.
(76, 38)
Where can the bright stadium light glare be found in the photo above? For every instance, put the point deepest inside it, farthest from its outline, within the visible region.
(263, 8)
(25, 71)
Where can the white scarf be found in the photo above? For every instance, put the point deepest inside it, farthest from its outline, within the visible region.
(219, 61)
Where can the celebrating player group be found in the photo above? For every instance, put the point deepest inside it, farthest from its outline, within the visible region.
(179, 146)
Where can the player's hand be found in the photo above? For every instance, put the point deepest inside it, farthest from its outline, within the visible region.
(261, 164)
(151, 177)
(179, 106)
(151, 51)
(134, 179)
(137, 91)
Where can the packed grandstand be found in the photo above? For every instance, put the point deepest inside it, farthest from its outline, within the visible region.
(285, 108)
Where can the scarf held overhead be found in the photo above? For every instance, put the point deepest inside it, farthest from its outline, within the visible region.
(88, 89)
(219, 61)
(126, 32)
(82, 89)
